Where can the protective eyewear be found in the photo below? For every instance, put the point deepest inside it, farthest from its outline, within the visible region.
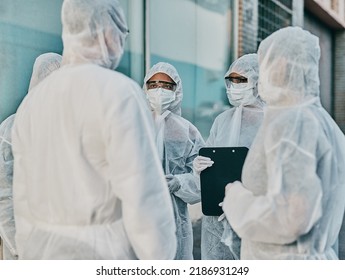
(161, 84)
(235, 81)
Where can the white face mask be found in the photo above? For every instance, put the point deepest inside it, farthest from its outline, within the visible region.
(160, 99)
(241, 96)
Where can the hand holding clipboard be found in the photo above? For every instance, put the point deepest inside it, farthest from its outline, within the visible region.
(227, 168)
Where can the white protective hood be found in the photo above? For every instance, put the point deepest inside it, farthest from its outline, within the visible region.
(88, 183)
(290, 203)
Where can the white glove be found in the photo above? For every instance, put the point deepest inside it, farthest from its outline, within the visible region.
(200, 163)
(221, 217)
(229, 185)
(173, 183)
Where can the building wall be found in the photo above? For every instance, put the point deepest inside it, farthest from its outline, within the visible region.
(298, 13)
(200, 46)
(259, 18)
(23, 36)
(339, 78)
(32, 27)
(325, 34)
(1, 249)
(247, 27)
(326, 19)
(331, 15)
(331, 12)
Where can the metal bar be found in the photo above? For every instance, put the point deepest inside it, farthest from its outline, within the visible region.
(282, 6)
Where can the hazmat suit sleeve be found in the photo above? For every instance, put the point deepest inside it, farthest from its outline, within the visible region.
(189, 191)
(292, 204)
(211, 140)
(7, 226)
(195, 178)
(146, 205)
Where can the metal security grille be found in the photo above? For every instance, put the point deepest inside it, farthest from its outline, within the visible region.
(273, 15)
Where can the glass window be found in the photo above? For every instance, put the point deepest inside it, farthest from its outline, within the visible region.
(32, 27)
(27, 29)
(196, 37)
(132, 62)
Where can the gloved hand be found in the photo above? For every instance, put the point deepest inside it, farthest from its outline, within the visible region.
(173, 183)
(228, 186)
(200, 163)
(221, 217)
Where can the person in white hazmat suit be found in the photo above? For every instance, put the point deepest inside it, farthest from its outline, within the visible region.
(235, 127)
(178, 142)
(88, 183)
(291, 201)
(44, 65)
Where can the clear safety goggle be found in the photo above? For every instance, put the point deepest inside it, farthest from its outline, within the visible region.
(236, 82)
(161, 84)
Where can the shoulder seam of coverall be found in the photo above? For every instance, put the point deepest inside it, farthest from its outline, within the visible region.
(5, 140)
(294, 144)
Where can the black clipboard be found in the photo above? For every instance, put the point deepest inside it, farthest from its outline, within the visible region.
(227, 168)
